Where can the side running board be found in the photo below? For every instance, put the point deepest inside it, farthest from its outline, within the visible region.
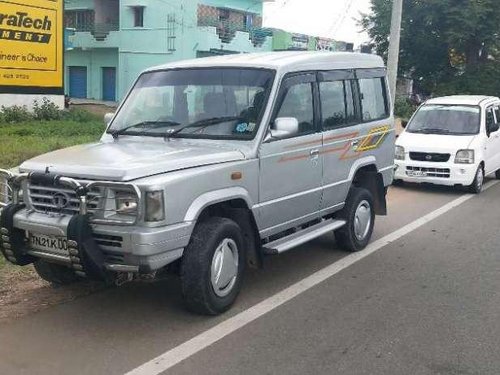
(298, 238)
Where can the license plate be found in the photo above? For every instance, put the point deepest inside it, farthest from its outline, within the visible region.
(416, 173)
(48, 243)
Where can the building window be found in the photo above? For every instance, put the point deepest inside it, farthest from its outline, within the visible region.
(171, 23)
(138, 16)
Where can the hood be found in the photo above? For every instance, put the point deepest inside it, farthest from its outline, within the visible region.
(434, 142)
(128, 159)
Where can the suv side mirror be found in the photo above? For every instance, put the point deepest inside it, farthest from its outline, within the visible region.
(108, 117)
(404, 123)
(284, 127)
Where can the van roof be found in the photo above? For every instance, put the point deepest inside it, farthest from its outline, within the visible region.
(288, 61)
(463, 99)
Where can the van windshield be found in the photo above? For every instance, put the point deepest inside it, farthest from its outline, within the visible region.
(213, 103)
(446, 119)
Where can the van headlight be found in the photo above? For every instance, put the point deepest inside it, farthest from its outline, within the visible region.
(155, 206)
(400, 153)
(464, 157)
(126, 203)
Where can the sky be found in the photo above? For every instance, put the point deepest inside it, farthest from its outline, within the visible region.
(335, 19)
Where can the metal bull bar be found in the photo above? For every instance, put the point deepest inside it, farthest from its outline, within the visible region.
(85, 255)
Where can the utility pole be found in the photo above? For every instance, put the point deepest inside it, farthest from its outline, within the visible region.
(393, 58)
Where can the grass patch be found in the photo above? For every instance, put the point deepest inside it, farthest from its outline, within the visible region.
(24, 140)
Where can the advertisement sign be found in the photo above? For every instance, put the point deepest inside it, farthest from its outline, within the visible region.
(31, 46)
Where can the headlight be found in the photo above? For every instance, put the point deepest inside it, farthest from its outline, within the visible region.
(155, 209)
(126, 203)
(400, 153)
(464, 157)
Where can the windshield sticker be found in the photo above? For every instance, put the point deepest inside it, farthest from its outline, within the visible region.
(242, 127)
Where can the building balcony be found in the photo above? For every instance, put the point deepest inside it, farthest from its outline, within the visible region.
(94, 36)
(233, 40)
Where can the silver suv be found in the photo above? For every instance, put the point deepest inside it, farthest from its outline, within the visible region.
(206, 167)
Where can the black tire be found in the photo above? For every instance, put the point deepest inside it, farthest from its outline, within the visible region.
(398, 182)
(197, 288)
(497, 174)
(477, 185)
(346, 236)
(55, 273)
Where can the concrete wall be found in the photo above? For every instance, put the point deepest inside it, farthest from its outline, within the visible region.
(242, 5)
(106, 11)
(94, 60)
(9, 100)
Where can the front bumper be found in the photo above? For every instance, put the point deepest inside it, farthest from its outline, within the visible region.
(94, 247)
(448, 174)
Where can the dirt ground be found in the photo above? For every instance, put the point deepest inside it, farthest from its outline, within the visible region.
(22, 292)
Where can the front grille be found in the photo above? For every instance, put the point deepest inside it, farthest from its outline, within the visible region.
(428, 172)
(108, 240)
(429, 156)
(49, 199)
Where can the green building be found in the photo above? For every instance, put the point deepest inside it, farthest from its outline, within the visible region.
(111, 41)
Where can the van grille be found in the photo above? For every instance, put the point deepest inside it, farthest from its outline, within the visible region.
(50, 199)
(429, 172)
(429, 156)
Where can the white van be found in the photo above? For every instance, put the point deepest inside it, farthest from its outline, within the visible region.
(452, 141)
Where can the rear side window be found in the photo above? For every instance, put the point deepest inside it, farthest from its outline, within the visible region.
(337, 103)
(497, 113)
(373, 95)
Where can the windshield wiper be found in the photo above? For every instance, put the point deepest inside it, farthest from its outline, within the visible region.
(203, 123)
(145, 125)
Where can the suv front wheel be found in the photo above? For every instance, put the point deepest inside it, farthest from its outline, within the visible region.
(212, 266)
(360, 217)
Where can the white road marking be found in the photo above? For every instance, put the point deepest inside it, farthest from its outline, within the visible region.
(173, 356)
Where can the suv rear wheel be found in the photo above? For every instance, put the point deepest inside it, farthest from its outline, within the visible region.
(55, 273)
(360, 217)
(212, 266)
(497, 174)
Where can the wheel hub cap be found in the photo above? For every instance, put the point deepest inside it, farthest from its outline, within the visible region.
(224, 270)
(362, 220)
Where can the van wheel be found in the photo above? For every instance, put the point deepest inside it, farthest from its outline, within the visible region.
(477, 185)
(497, 174)
(360, 217)
(212, 266)
(55, 273)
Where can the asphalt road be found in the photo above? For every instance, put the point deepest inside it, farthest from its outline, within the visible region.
(427, 303)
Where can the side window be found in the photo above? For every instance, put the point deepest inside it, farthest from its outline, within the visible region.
(490, 119)
(497, 114)
(373, 99)
(298, 103)
(337, 103)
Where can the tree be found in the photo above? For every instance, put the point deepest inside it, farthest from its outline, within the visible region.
(442, 41)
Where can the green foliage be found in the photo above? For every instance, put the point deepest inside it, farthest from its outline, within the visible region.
(80, 115)
(403, 108)
(444, 43)
(15, 114)
(47, 110)
(44, 111)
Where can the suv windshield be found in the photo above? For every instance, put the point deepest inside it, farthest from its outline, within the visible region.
(214, 103)
(446, 119)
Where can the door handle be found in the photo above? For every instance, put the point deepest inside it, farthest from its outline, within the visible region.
(355, 144)
(314, 154)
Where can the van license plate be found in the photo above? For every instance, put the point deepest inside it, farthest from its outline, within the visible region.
(48, 243)
(416, 173)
